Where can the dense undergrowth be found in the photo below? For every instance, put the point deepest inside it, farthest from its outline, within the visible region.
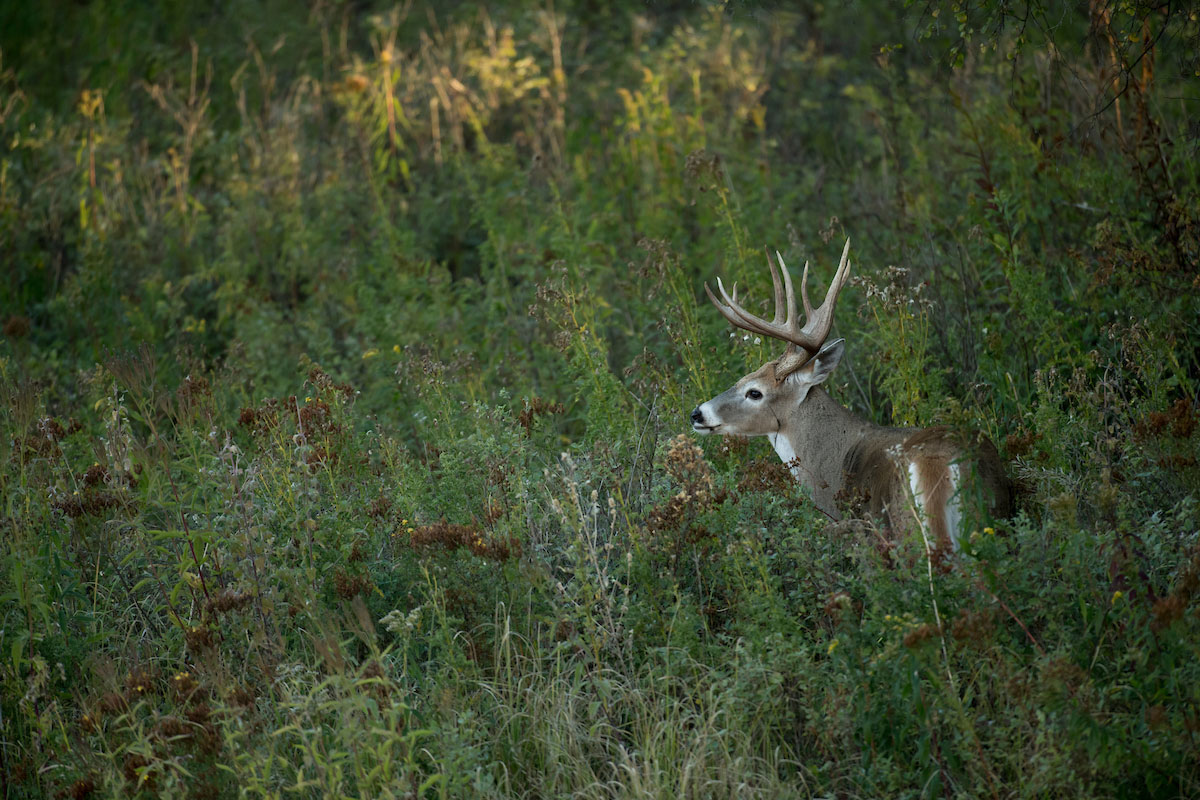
(347, 352)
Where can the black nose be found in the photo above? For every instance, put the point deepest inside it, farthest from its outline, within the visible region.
(697, 417)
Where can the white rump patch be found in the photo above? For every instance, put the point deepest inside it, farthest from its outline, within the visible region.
(954, 507)
(914, 485)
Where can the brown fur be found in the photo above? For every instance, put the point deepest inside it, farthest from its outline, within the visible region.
(872, 474)
(936, 484)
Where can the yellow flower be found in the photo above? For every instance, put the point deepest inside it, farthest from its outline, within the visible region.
(832, 646)
(395, 348)
(1117, 595)
(374, 351)
(990, 531)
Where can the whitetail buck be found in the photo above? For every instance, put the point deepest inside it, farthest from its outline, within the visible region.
(903, 475)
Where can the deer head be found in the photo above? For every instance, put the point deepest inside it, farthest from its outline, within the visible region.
(763, 402)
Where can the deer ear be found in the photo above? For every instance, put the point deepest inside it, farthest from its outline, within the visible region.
(826, 359)
(820, 367)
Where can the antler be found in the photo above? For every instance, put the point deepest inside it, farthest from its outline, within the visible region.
(785, 326)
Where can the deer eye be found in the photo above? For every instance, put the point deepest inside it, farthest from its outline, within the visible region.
(754, 394)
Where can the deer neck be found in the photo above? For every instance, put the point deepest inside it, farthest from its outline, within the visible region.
(813, 441)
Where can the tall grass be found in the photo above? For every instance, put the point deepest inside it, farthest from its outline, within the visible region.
(346, 356)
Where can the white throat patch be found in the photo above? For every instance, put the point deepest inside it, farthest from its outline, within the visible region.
(783, 446)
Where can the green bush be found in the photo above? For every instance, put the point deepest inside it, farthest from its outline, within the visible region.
(347, 356)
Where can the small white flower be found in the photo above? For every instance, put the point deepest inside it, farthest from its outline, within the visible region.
(393, 621)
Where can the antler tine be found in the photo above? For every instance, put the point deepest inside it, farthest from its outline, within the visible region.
(780, 301)
(844, 266)
(792, 295)
(817, 323)
(730, 303)
(737, 316)
(734, 313)
(808, 310)
(731, 297)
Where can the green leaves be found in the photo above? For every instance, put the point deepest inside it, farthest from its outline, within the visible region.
(337, 399)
